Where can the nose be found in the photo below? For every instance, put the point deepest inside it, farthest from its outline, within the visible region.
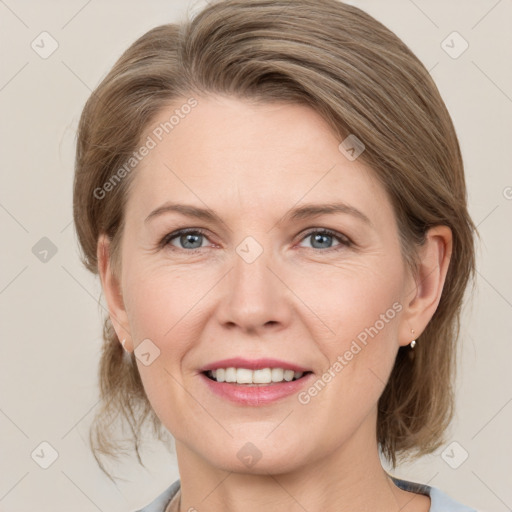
(256, 298)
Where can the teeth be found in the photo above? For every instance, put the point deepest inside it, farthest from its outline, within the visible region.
(246, 376)
(262, 376)
(288, 375)
(277, 374)
(243, 376)
(230, 374)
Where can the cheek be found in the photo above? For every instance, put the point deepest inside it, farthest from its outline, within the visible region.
(162, 306)
(160, 300)
(361, 305)
(354, 299)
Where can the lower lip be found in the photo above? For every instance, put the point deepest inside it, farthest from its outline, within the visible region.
(256, 395)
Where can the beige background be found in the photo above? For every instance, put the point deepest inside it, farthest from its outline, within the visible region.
(50, 317)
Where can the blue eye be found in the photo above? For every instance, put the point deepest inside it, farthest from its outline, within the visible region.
(323, 238)
(192, 239)
(187, 238)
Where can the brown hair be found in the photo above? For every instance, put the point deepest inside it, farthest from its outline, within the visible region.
(362, 80)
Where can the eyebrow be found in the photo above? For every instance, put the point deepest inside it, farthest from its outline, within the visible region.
(299, 213)
(315, 210)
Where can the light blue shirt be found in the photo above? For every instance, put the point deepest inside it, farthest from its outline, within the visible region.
(439, 501)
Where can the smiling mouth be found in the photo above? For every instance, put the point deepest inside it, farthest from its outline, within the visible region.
(247, 377)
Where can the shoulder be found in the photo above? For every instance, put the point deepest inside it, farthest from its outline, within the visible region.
(160, 503)
(439, 501)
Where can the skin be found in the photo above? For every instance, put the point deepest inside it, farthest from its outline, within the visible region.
(301, 301)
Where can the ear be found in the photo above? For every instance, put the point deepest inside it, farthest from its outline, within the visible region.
(113, 294)
(425, 288)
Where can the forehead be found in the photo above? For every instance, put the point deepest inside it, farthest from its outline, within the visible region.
(232, 155)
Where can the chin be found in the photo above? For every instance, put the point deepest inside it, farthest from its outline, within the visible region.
(259, 456)
(274, 465)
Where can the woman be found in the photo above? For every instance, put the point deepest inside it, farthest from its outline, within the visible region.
(273, 197)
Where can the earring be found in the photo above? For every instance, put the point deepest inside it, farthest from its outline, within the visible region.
(413, 342)
(122, 343)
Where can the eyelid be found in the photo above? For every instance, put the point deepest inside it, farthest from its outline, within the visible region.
(327, 231)
(343, 239)
(166, 240)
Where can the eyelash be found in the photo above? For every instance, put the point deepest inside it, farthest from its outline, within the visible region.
(344, 240)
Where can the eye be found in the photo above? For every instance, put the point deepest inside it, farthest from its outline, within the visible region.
(322, 239)
(188, 239)
(192, 239)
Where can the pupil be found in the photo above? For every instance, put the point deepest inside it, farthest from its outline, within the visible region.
(190, 238)
(318, 237)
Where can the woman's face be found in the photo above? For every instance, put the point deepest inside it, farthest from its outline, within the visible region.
(255, 281)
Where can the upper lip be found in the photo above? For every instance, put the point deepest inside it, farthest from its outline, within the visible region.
(253, 364)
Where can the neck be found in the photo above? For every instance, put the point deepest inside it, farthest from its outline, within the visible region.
(349, 478)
